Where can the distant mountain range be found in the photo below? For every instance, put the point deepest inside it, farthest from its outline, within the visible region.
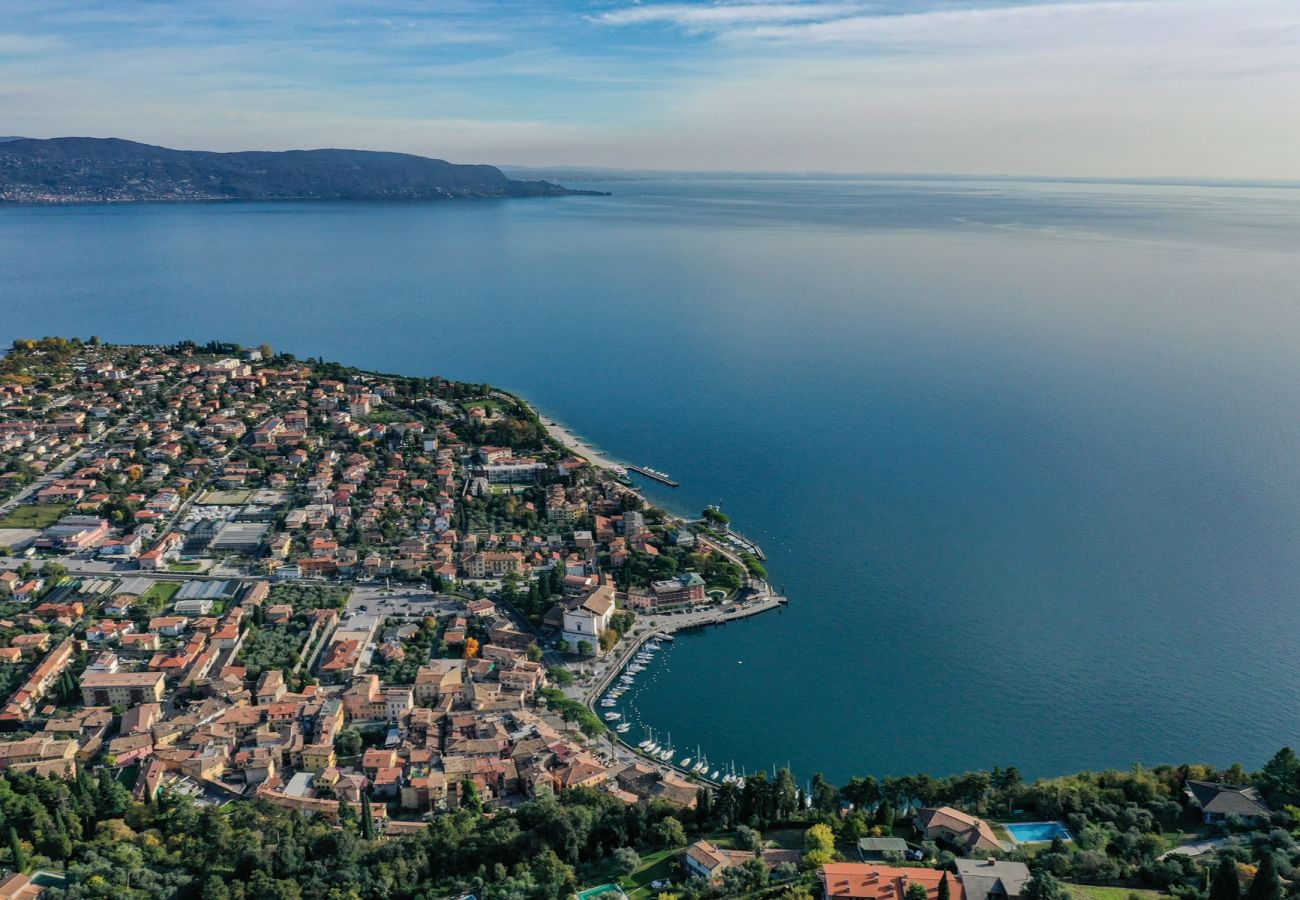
(70, 170)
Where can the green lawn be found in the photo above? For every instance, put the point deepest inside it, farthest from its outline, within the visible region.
(786, 838)
(655, 866)
(185, 567)
(161, 592)
(33, 516)
(1094, 892)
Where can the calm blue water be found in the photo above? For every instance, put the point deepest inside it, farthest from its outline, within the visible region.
(1038, 832)
(1024, 456)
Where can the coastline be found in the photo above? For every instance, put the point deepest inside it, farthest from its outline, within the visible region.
(570, 440)
(754, 597)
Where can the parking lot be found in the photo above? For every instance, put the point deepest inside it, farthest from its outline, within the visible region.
(398, 601)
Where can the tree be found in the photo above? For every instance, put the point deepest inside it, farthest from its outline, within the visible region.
(535, 653)
(748, 839)
(1226, 884)
(471, 647)
(715, 516)
(945, 889)
(824, 797)
(367, 819)
(585, 648)
(1280, 777)
(349, 742)
(915, 891)
(670, 833)
(1043, 886)
(17, 855)
(1265, 885)
(215, 889)
(347, 815)
(819, 845)
(861, 792)
(626, 860)
(469, 797)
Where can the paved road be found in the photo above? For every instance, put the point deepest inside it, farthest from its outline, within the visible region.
(46, 479)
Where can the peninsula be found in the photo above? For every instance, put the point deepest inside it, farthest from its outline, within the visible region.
(273, 627)
(81, 170)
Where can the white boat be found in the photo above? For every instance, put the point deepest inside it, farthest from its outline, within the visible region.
(714, 776)
(609, 703)
(644, 744)
(624, 728)
(612, 716)
(652, 748)
(686, 763)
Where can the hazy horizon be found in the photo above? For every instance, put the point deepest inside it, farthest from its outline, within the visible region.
(1127, 89)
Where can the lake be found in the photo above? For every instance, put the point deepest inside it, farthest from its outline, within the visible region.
(1024, 456)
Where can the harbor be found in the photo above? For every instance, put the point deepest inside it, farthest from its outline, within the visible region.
(636, 660)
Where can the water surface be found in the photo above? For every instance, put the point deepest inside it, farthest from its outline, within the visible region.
(1024, 456)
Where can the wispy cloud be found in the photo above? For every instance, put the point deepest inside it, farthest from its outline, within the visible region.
(713, 16)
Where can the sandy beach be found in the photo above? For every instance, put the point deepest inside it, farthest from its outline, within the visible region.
(576, 444)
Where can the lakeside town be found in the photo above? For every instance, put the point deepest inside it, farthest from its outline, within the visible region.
(386, 607)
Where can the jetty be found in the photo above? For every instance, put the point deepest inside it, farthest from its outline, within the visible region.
(654, 474)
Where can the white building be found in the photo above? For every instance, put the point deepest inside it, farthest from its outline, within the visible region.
(584, 621)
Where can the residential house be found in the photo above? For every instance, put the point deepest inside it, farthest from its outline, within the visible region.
(956, 828)
(872, 881)
(1220, 801)
(992, 879)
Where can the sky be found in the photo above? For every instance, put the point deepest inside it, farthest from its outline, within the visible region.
(1097, 88)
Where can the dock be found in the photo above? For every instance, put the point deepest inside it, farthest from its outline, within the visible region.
(653, 474)
(750, 546)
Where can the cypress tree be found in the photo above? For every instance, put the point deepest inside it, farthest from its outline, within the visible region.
(17, 856)
(1266, 885)
(367, 820)
(1226, 884)
(945, 889)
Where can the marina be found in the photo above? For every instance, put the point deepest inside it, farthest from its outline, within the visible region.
(617, 689)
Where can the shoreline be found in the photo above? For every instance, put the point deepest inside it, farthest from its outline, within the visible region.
(571, 441)
(754, 597)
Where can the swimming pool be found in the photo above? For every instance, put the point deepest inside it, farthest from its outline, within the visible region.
(1037, 832)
